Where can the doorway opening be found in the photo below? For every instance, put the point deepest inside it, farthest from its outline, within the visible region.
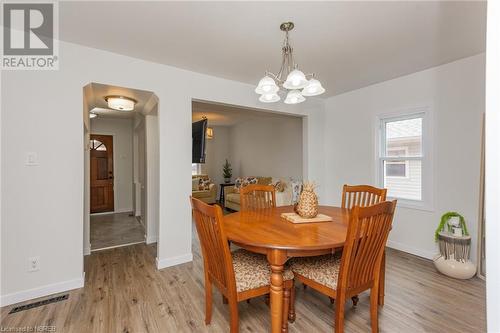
(121, 167)
(242, 145)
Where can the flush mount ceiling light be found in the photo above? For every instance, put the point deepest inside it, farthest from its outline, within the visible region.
(120, 103)
(294, 83)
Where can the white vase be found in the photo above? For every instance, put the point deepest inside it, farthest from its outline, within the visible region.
(453, 268)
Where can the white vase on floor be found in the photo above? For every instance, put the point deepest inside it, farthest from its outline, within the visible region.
(454, 268)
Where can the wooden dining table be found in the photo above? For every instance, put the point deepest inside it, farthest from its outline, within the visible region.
(265, 231)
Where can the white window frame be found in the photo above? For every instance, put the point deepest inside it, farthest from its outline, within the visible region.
(426, 203)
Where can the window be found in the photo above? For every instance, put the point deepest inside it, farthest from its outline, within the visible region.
(97, 145)
(401, 156)
(195, 168)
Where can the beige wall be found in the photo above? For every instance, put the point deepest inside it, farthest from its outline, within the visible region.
(258, 147)
(121, 129)
(267, 147)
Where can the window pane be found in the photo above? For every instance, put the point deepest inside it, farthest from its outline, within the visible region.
(403, 138)
(395, 169)
(407, 186)
(194, 169)
(97, 145)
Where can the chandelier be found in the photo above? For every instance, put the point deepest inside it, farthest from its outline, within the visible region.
(295, 86)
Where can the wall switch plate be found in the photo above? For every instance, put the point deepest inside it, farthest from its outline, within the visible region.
(31, 159)
(33, 264)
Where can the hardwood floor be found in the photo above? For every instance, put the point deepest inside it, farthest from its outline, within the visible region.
(125, 293)
(114, 229)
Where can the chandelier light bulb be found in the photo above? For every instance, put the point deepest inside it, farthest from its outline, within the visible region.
(266, 86)
(269, 98)
(313, 88)
(295, 80)
(294, 97)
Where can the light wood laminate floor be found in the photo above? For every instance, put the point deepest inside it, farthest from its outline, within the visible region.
(117, 229)
(125, 293)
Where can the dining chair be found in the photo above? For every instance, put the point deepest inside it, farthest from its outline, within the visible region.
(239, 275)
(362, 195)
(255, 196)
(358, 268)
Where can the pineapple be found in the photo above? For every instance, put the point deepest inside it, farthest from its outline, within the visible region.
(308, 201)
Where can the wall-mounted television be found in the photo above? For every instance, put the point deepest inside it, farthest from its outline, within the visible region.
(199, 130)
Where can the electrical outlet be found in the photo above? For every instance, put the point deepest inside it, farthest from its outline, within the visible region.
(33, 264)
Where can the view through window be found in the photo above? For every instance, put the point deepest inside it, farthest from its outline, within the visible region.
(401, 156)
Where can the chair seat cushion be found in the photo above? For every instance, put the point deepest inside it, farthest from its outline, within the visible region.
(252, 270)
(321, 269)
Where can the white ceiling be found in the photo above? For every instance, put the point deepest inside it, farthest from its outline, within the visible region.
(145, 100)
(229, 115)
(348, 44)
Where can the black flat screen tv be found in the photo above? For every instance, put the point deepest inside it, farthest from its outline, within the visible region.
(198, 135)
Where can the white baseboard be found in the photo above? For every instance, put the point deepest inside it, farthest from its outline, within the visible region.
(151, 239)
(124, 210)
(411, 250)
(169, 262)
(46, 290)
(86, 250)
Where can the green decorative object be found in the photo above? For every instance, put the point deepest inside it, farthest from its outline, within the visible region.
(444, 224)
(227, 171)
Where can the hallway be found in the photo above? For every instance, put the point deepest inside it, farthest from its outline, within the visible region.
(112, 230)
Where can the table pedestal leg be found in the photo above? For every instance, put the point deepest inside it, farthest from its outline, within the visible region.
(277, 259)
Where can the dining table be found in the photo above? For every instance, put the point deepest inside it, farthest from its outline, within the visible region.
(265, 231)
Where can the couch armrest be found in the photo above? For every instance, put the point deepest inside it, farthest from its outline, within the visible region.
(213, 189)
(229, 189)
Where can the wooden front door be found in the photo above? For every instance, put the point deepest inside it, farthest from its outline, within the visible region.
(101, 173)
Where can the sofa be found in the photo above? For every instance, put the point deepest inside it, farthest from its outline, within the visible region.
(203, 189)
(232, 195)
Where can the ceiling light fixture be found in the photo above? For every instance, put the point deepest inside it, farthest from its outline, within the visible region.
(120, 103)
(295, 86)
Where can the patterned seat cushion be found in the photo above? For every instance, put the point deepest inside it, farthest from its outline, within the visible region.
(252, 270)
(321, 269)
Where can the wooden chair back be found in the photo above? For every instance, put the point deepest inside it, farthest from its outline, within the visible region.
(217, 258)
(254, 196)
(364, 247)
(362, 195)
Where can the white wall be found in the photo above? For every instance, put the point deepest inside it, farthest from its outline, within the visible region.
(267, 147)
(455, 93)
(121, 130)
(38, 201)
(492, 168)
(152, 178)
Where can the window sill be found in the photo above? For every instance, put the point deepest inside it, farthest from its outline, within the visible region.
(413, 204)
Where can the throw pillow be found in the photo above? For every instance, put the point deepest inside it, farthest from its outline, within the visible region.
(242, 182)
(279, 186)
(204, 184)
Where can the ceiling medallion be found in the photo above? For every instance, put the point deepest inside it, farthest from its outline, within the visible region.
(295, 86)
